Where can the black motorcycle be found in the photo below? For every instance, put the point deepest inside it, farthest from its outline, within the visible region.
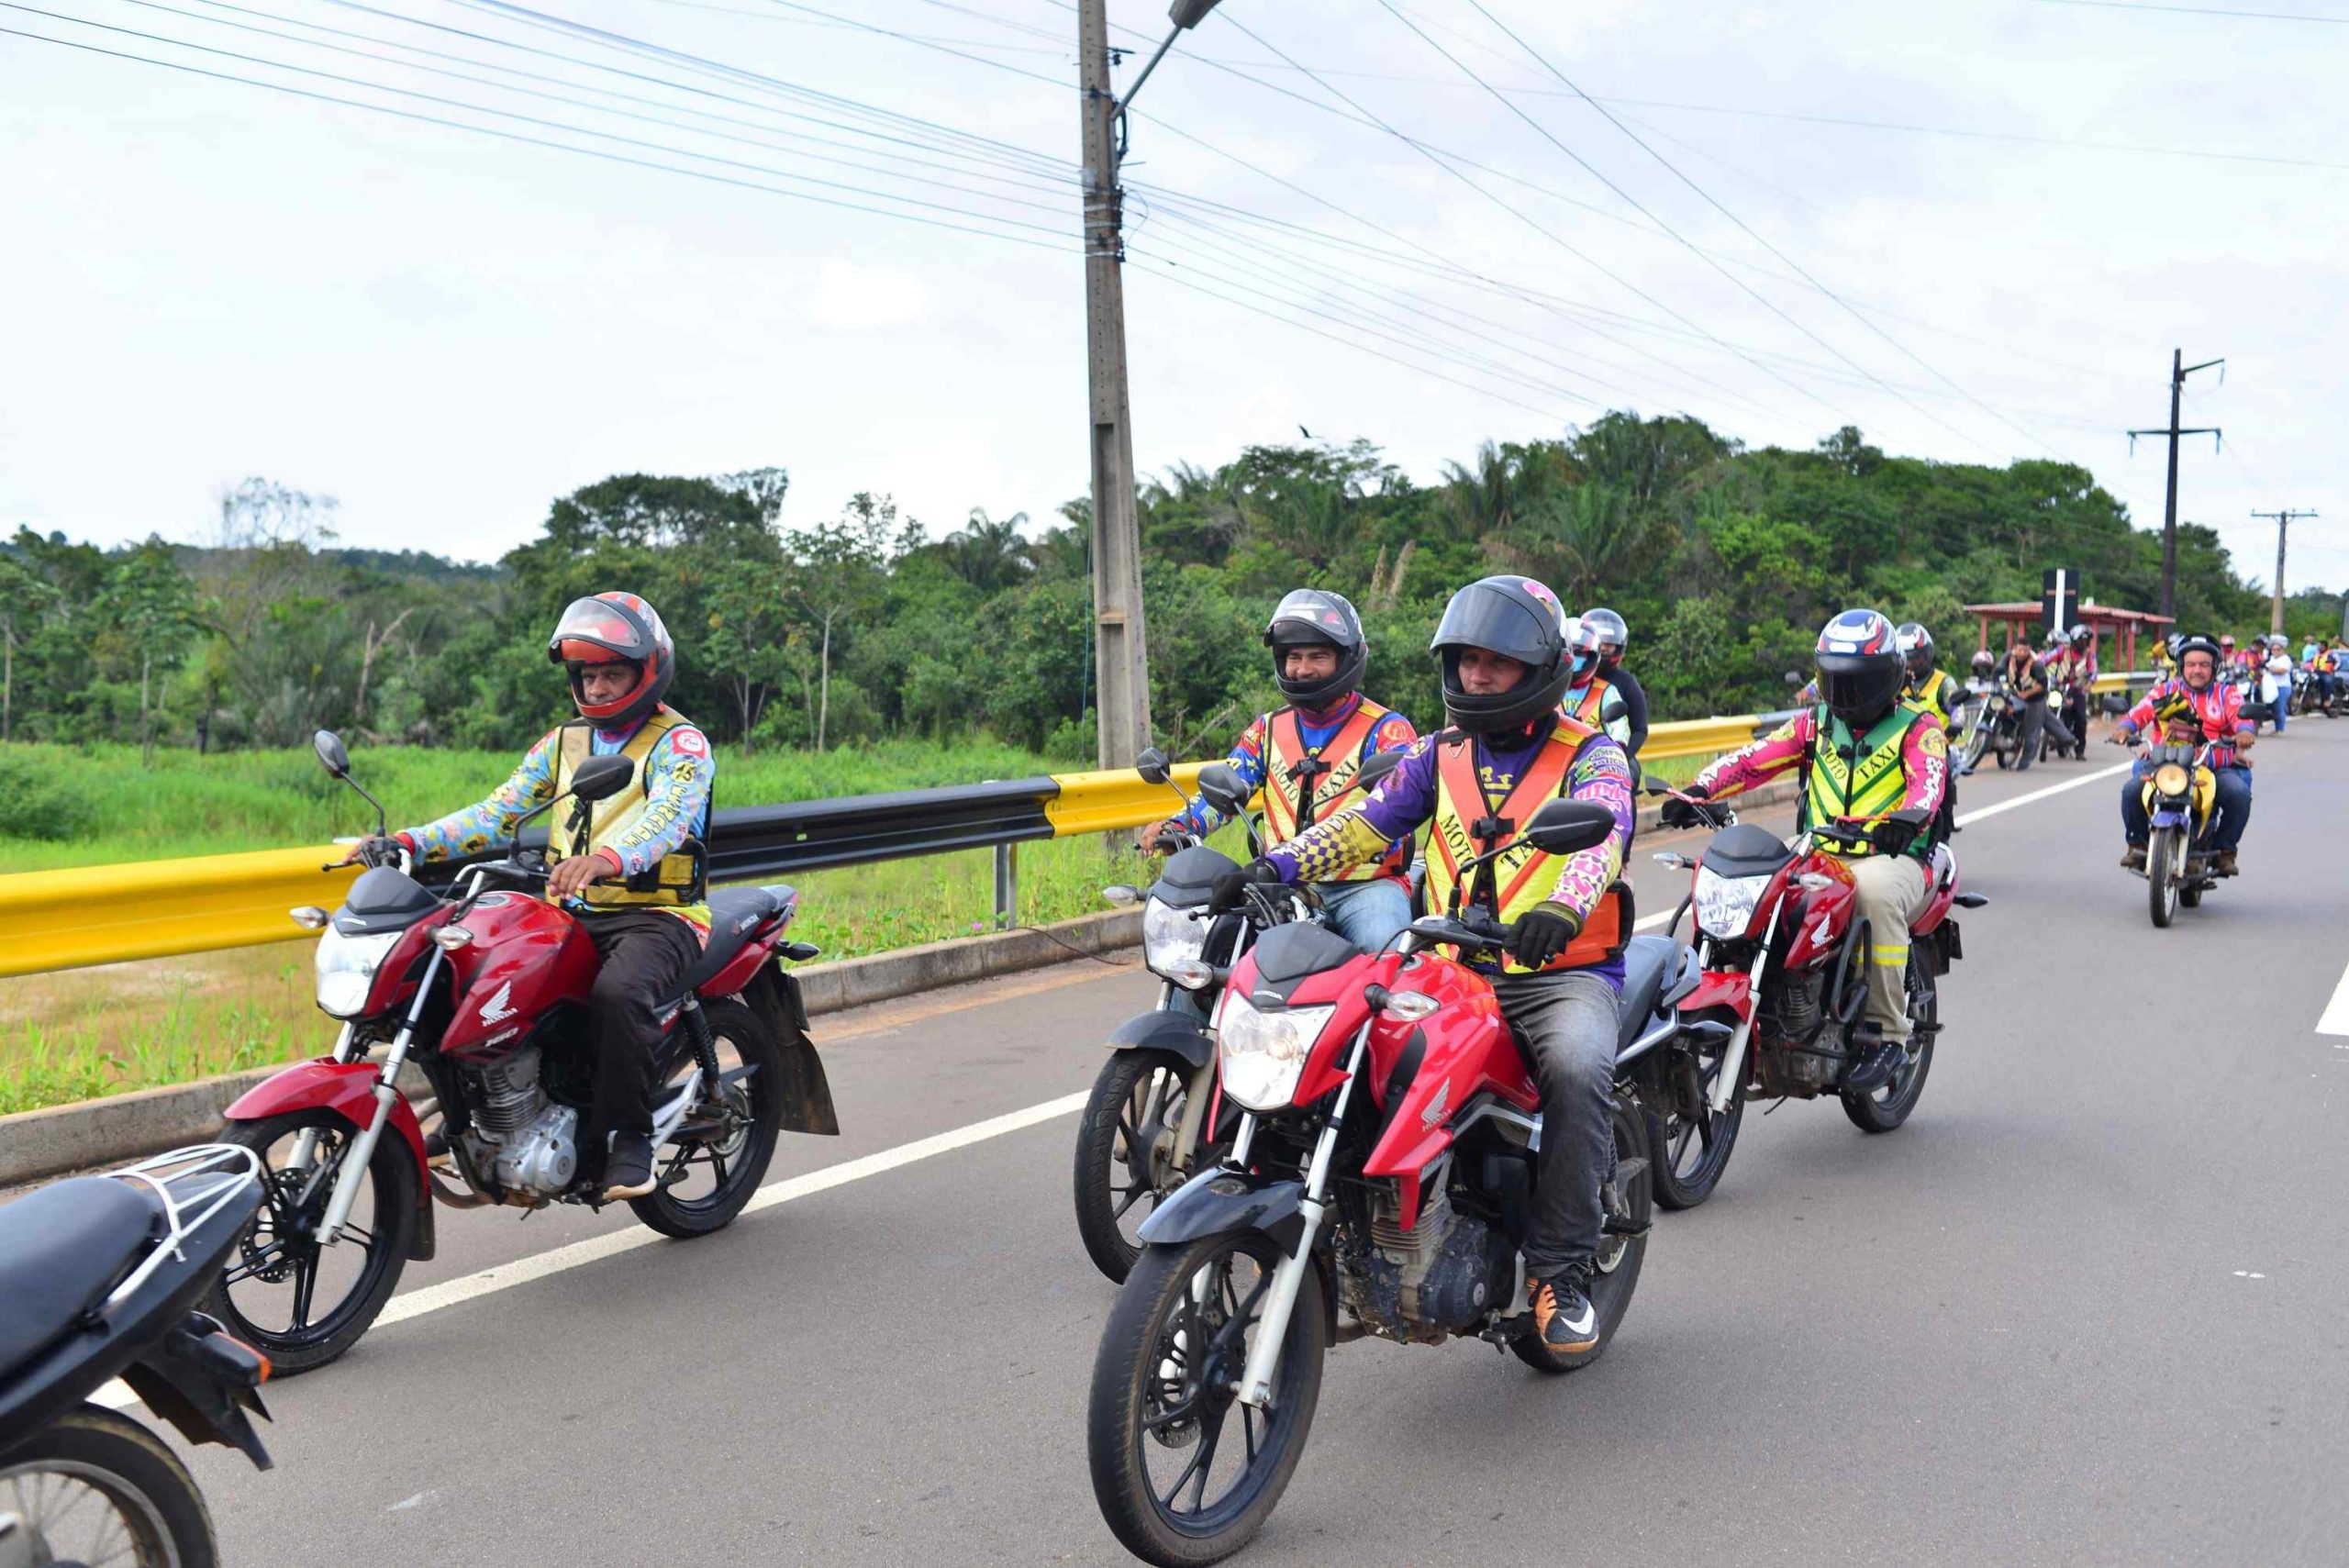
(1995, 729)
(1149, 1126)
(100, 1275)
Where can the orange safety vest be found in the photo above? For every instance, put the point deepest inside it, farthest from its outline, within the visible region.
(1468, 825)
(1305, 784)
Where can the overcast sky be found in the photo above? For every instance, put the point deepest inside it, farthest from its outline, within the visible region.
(205, 279)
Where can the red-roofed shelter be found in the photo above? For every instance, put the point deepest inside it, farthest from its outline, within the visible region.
(2022, 619)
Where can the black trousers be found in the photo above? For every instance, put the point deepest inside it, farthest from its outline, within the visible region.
(642, 955)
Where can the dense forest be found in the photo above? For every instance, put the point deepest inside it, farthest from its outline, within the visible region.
(1724, 560)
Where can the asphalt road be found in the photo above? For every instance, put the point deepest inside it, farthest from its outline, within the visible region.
(2090, 1306)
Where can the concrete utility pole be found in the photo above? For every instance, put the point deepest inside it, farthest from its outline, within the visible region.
(1121, 649)
(2179, 372)
(2276, 600)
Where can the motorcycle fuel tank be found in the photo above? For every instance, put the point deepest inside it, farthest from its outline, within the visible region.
(525, 957)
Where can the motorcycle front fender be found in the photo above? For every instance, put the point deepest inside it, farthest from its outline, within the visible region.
(1163, 1030)
(348, 1089)
(1215, 1201)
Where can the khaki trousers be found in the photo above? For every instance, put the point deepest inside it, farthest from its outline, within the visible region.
(1891, 892)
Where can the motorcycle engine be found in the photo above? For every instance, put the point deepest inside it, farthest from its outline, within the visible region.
(1427, 1283)
(526, 1141)
(1794, 1014)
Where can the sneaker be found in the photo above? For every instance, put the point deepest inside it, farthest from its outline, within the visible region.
(1873, 1059)
(1562, 1313)
(628, 1172)
(2133, 858)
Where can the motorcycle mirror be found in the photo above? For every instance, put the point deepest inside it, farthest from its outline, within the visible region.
(600, 778)
(1377, 768)
(1793, 678)
(2115, 703)
(1152, 766)
(1567, 826)
(1222, 788)
(331, 756)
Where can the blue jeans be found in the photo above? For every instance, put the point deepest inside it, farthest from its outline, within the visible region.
(2231, 812)
(1367, 914)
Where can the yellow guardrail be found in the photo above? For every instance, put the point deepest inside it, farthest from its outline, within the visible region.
(1103, 803)
(63, 919)
(1700, 737)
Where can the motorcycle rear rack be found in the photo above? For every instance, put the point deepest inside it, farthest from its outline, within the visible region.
(193, 1184)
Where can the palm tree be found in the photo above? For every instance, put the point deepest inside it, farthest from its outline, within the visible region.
(988, 554)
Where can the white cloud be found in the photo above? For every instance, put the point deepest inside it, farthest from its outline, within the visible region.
(847, 297)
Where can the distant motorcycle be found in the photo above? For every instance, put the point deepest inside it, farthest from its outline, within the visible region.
(485, 992)
(101, 1277)
(1995, 729)
(2181, 792)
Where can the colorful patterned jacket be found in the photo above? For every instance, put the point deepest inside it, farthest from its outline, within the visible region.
(1406, 799)
(677, 779)
(2220, 708)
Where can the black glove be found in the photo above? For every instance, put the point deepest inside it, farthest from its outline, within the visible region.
(375, 850)
(1541, 933)
(1227, 892)
(1678, 813)
(1897, 832)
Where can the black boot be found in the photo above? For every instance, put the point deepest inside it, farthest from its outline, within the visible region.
(1873, 1059)
(628, 1172)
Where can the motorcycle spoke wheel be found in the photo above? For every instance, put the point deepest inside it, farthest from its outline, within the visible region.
(1185, 1474)
(1693, 1143)
(301, 1301)
(708, 1172)
(98, 1489)
(1128, 1158)
(1885, 1108)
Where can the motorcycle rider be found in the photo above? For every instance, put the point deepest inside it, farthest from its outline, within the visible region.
(623, 873)
(2071, 670)
(2216, 716)
(1925, 683)
(1867, 755)
(2027, 684)
(1590, 696)
(1510, 749)
(1312, 748)
(1614, 637)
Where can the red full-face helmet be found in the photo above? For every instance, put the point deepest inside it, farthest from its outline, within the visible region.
(615, 628)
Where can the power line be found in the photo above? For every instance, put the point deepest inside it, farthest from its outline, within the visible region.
(2200, 11)
(518, 137)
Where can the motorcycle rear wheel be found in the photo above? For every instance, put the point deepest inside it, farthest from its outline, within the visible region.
(1885, 1108)
(1137, 1105)
(1155, 1396)
(151, 1506)
(276, 1250)
(736, 1164)
(1620, 1257)
(2163, 867)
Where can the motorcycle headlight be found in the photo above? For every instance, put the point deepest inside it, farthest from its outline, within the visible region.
(1264, 1052)
(2170, 779)
(347, 968)
(1725, 905)
(1169, 935)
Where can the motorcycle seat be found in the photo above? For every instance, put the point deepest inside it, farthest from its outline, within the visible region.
(1646, 962)
(62, 1250)
(736, 915)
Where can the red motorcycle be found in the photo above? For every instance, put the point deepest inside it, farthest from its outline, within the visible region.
(1786, 957)
(1384, 1161)
(485, 992)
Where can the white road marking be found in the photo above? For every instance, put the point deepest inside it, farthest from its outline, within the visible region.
(2335, 1019)
(1966, 819)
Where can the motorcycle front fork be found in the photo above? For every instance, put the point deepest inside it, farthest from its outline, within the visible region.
(1288, 1276)
(362, 1152)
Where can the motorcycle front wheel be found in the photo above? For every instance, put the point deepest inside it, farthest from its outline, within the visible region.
(99, 1488)
(708, 1169)
(1127, 1153)
(1184, 1474)
(1691, 1148)
(300, 1303)
(2165, 858)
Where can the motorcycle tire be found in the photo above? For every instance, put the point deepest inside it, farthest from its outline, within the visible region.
(2162, 872)
(1617, 1272)
(737, 1174)
(303, 1346)
(1132, 1097)
(1680, 1183)
(1125, 1427)
(1884, 1108)
(1972, 757)
(155, 1502)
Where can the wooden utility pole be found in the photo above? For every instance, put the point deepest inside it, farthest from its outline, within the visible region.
(2276, 599)
(1121, 654)
(2179, 372)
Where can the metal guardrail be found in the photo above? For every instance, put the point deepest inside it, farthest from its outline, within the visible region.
(146, 910)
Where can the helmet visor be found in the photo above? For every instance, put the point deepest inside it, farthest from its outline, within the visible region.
(590, 625)
(1516, 627)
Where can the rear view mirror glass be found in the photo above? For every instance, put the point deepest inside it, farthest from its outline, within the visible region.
(331, 756)
(600, 778)
(1222, 788)
(1566, 827)
(1152, 766)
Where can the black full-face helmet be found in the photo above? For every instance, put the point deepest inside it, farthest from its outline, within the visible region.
(1860, 672)
(1613, 635)
(1518, 619)
(1312, 617)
